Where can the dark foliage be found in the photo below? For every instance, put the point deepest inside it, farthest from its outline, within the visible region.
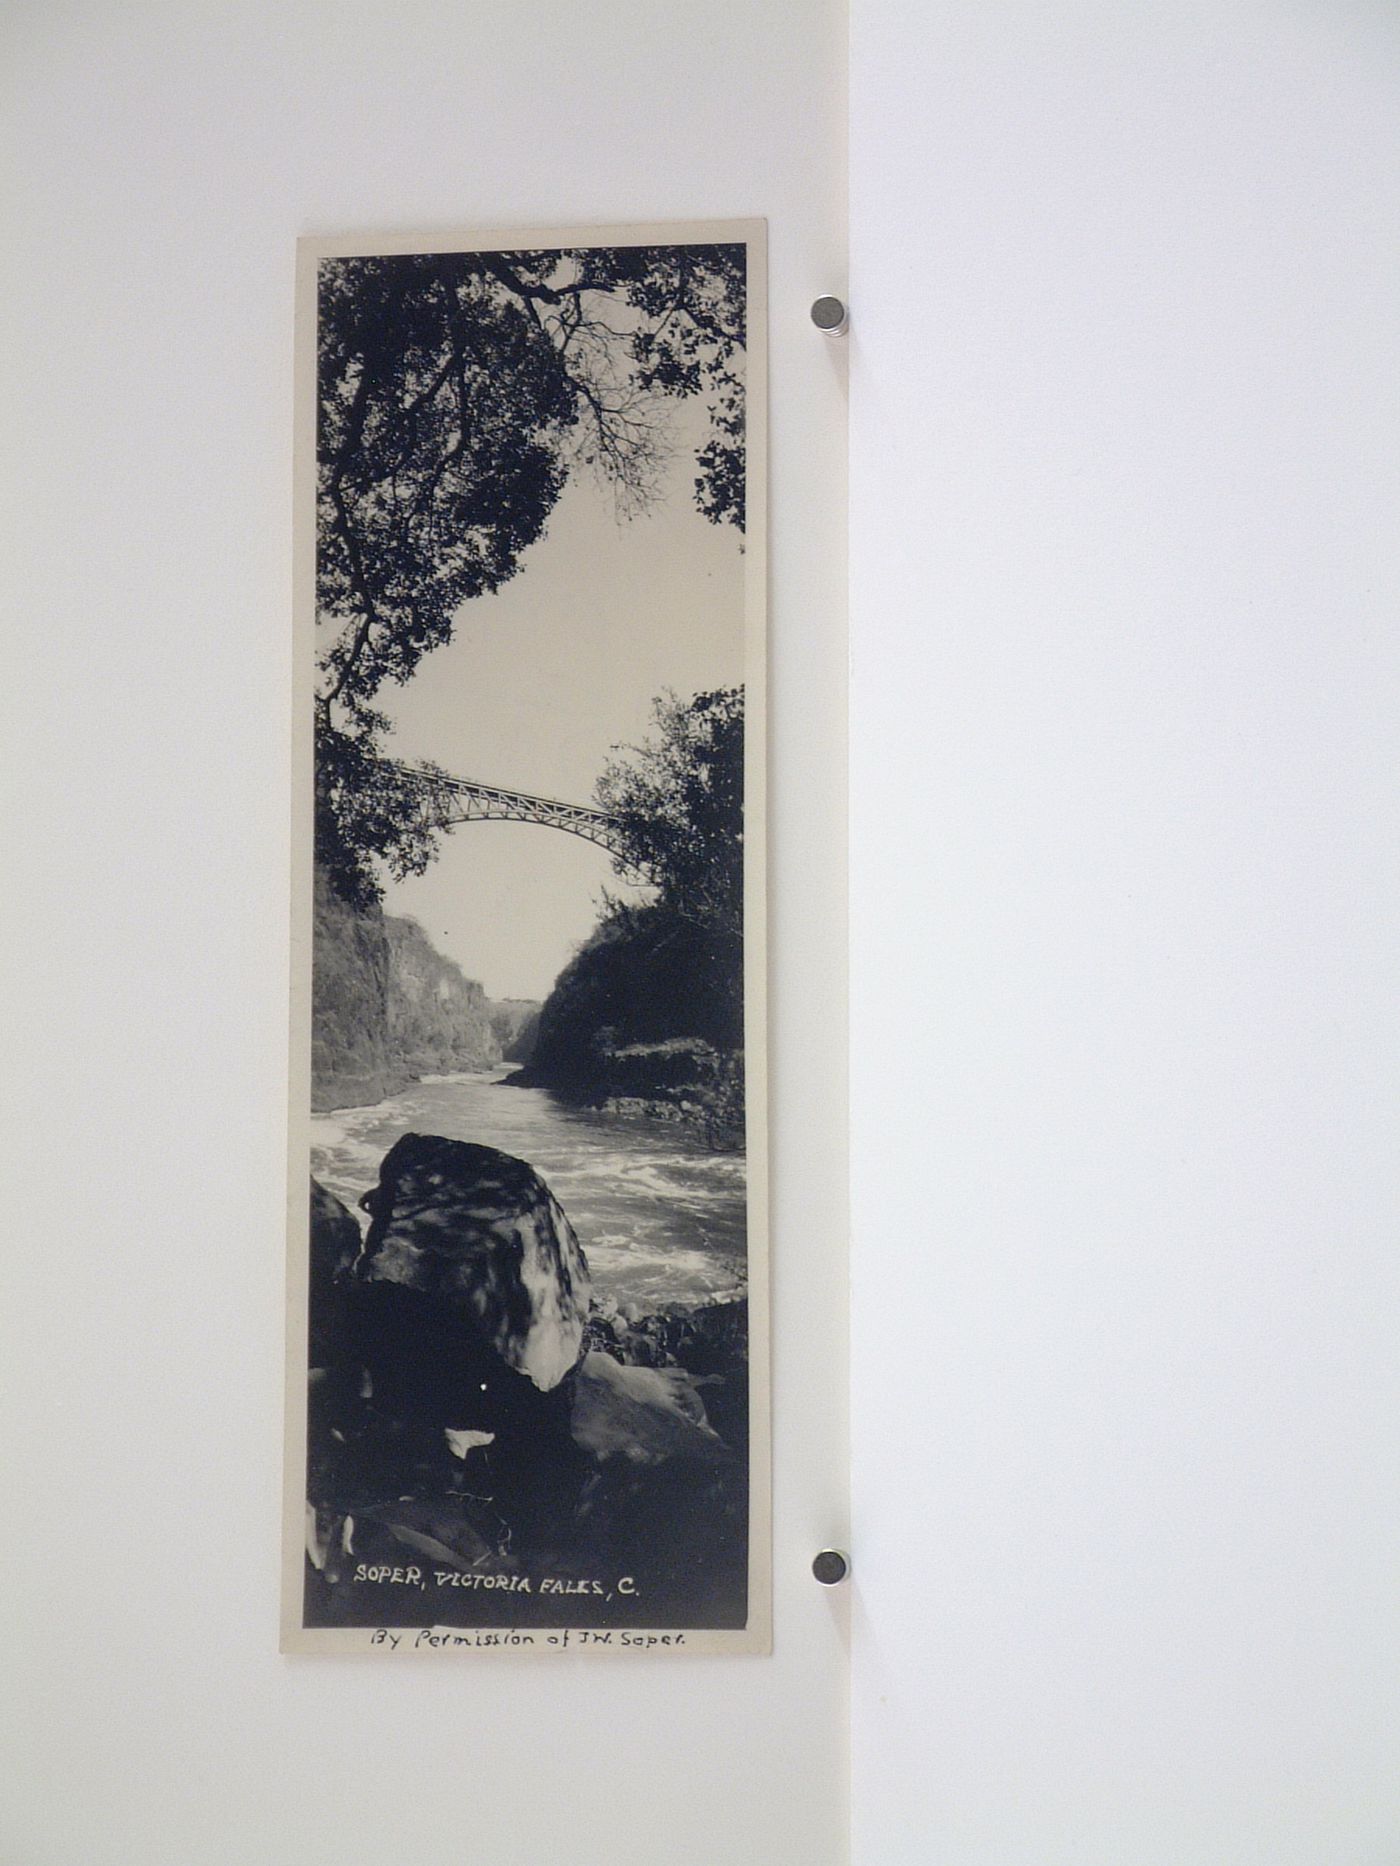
(644, 976)
(456, 392)
(667, 976)
(679, 801)
(367, 809)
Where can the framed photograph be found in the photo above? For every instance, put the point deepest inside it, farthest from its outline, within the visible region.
(527, 1316)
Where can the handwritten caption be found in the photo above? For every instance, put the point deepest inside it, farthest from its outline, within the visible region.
(430, 1580)
(411, 1575)
(437, 1638)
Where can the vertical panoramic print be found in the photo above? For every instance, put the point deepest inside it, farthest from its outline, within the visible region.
(527, 1372)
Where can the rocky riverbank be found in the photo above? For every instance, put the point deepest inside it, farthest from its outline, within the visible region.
(682, 1080)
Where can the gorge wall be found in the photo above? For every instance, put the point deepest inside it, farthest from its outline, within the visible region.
(516, 1022)
(647, 1018)
(387, 1007)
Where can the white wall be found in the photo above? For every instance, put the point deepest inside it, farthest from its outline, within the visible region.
(1126, 451)
(167, 156)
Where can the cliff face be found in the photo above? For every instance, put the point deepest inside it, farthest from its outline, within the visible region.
(439, 1020)
(516, 1022)
(387, 1007)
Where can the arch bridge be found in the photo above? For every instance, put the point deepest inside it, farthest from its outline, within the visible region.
(452, 800)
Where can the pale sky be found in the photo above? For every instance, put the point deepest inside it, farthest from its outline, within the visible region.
(538, 684)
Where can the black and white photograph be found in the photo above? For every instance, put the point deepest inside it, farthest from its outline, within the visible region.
(527, 1281)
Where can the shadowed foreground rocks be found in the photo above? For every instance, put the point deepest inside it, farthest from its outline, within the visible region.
(469, 1416)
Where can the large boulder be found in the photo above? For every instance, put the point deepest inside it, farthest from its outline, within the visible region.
(471, 1291)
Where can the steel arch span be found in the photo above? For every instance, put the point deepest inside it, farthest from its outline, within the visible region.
(453, 800)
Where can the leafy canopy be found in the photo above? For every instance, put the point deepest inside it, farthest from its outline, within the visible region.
(679, 802)
(456, 393)
(674, 966)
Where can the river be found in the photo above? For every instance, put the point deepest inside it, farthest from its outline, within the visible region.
(660, 1217)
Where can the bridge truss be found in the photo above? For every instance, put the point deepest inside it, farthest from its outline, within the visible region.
(452, 800)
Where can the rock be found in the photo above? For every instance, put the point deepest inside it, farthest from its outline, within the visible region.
(647, 1415)
(334, 1246)
(335, 1234)
(710, 1342)
(482, 1254)
(440, 1414)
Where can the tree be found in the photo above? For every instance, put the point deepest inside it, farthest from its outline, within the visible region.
(679, 803)
(668, 974)
(456, 393)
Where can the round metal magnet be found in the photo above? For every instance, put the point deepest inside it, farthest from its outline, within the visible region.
(831, 1567)
(831, 316)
